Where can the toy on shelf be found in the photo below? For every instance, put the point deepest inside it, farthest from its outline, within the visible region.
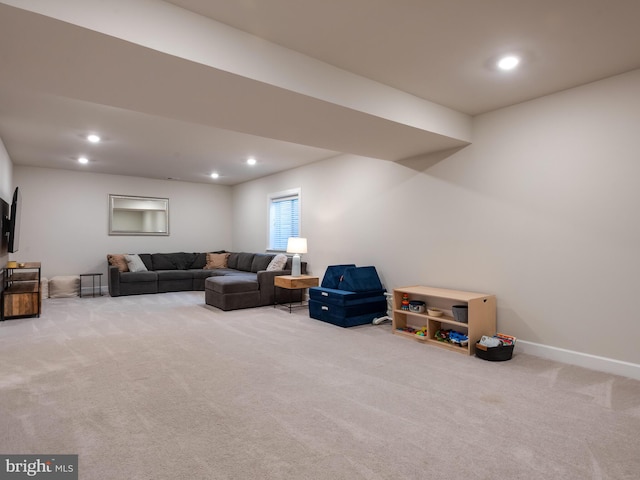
(422, 332)
(405, 301)
(451, 336)
(407, 329)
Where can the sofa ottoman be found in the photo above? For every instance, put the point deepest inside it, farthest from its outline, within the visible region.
(232, 292)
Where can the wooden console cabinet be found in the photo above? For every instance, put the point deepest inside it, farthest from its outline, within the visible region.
(482, 315)
(21, 296)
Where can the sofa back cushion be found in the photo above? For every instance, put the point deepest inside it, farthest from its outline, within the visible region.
(232, 261)
(245, 260)
(172, 261)
(146, 259)
(200, 261)
(261, 261)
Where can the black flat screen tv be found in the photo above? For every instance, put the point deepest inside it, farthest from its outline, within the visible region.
(14, 222)
(4, 227)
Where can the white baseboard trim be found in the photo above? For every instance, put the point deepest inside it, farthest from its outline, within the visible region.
(593, 362)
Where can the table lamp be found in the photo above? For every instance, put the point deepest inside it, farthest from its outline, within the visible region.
(296, 245)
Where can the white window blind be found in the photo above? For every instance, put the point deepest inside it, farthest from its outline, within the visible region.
(284, 215)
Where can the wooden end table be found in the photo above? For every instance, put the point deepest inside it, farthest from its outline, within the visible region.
(289, 282)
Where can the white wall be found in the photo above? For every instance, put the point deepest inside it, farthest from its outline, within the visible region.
(6, 190)
(540, 210)
(65, 218)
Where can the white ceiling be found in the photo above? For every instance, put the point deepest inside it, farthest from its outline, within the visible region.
(440, 49)
(54, 90)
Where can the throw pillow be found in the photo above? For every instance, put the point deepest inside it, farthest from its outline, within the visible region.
(118, 260)
(216, 260)
(278, 262)
(135, 263)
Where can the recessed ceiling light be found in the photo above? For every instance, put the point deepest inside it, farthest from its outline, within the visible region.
(83, 160)
(508, 63)
(215, 175)
(93, 138)
(251, 161)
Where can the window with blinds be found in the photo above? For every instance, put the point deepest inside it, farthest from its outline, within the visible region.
(284, 218)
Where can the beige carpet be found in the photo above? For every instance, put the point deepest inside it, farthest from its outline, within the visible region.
(164, 387)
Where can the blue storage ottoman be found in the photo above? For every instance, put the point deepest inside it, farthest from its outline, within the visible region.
(349, 296)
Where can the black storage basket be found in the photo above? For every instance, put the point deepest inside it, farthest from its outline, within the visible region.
(494, 354)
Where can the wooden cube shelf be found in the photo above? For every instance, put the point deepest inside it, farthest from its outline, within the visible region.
(481, 318)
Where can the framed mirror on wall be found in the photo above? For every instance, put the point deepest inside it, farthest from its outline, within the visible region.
(130, 215)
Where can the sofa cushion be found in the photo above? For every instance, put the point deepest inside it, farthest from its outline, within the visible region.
(172, 261)
(184, 260)
(231, 284)
(174, 274)
(261, 261)
(161, 261)
(146, 259)
(244, 261)
(232, 261)
(217, 272)
(134, 277)
(201, 273)
(199, 261)
(229, 272)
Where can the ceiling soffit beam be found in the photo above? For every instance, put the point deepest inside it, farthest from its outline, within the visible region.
(199, 70)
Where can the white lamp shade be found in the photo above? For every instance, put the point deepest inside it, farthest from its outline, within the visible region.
(296, 245)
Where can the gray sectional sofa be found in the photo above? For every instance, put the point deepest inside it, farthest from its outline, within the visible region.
(245, 283)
